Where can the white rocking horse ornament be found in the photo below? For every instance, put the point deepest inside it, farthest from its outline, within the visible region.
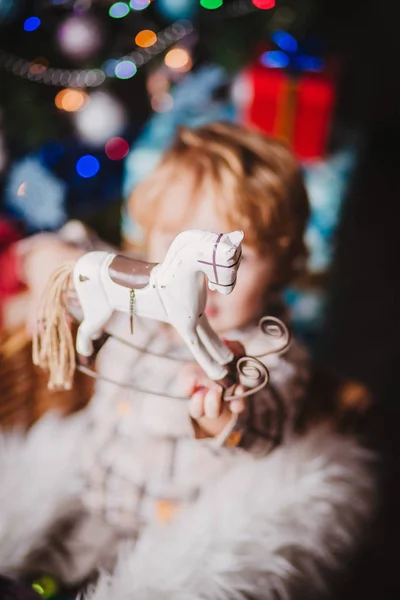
(174, 291)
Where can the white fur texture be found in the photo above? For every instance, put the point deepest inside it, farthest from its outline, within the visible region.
(265, 529)
(268, 528)
(38, 482)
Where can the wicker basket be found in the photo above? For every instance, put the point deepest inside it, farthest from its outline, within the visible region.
(24, 395)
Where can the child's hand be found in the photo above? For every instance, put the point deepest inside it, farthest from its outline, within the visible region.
(40, 256)
(206, 404)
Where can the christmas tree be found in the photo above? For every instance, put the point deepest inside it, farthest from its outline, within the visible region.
(73, 88)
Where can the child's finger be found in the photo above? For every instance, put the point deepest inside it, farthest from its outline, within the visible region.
(190, 378)
(213, 403)
(196, 404)
(238, 404)
(193, 377)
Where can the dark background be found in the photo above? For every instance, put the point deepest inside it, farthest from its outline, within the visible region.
(361, 337)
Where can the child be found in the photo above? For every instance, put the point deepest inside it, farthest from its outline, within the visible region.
(206, 512)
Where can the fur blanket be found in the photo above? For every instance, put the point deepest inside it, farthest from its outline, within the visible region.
(267, 528)
(39, 482)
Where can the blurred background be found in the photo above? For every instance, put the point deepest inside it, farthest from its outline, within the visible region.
(91, 93)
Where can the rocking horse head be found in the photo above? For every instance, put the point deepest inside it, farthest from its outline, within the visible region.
(221, 262)
(217, 255)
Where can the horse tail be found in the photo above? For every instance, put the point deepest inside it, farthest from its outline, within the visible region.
(53, 345)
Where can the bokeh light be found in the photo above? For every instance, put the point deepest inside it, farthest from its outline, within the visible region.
(80, 37)
(38, 65)
(31, 23)
(100, 119)
(116, 148)
(264, 4)
(45, 586)
(211, 4)
(145, 38)
(162, 103)
(139, 4)
(178, 58)
(309, 63)
(157, 83)
(125, 69)
(274, 59)
(285, 41)
(175, 10)
(70, 100)
(118, 10)
(87, 166)
(109, 67)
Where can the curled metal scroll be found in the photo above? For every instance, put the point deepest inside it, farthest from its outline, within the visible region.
(276, 329)
(252, 373)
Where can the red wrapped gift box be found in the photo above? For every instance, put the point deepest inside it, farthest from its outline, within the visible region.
(298, 109)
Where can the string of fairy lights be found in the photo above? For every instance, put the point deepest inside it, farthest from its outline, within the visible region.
(149, 45)
(124, 67)
(98, 117)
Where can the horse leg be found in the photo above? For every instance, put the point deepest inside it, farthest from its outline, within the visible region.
(211, 367)
(91, 329)
(84, 345)
(215, 346)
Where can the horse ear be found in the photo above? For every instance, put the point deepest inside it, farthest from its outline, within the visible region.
(236, 237)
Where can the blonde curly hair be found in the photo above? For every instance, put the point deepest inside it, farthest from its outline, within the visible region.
(257, 182)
